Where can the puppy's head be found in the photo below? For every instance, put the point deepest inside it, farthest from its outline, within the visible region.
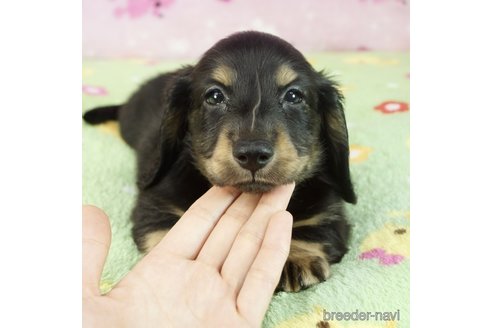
(258, 116)
(261, 116)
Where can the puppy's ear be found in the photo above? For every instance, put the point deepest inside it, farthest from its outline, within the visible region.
(335, 137)
(161, 150)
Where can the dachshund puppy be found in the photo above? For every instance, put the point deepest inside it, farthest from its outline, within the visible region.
(252, 114)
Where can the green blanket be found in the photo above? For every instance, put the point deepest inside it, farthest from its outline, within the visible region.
(374, 275)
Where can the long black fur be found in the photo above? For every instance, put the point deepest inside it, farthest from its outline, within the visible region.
(171, 129)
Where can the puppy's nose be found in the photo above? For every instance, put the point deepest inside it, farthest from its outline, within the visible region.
(253, 155)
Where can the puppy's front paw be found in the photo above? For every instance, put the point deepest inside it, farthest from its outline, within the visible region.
(306, 265)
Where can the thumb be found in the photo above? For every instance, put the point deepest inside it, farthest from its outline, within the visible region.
(96, 239)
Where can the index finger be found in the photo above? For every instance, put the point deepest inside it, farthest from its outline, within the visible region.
(249, 239)
(187, 236)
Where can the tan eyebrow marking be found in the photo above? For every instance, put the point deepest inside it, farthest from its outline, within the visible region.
(224, 75)
(285, 75)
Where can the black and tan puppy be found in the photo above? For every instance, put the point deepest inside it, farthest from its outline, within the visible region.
(252, 114)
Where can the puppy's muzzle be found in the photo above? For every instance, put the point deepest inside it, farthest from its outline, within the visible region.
(253, 155)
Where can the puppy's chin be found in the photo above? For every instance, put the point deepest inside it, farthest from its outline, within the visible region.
(254, 187)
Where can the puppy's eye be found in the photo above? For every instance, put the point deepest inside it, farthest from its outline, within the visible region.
(214, 97)
(293, 96)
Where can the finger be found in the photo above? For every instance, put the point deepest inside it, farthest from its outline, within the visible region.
(96, 239)
(249, 239)
(187, 236)
(264, 274)
(219, 243)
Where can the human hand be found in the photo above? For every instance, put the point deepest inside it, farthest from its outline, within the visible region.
(217, 267)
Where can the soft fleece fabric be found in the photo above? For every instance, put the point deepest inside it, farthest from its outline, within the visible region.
(374, 275)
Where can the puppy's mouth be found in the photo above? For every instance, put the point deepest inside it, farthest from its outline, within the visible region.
(261, 184)
(251, 184)
(260, 181)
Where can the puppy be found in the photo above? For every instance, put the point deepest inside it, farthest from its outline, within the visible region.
(252, 114)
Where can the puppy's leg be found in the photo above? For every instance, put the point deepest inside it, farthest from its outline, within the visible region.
(152, 221)
(306, 265)
(149, 232)
(151, 239)
(316, 242)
